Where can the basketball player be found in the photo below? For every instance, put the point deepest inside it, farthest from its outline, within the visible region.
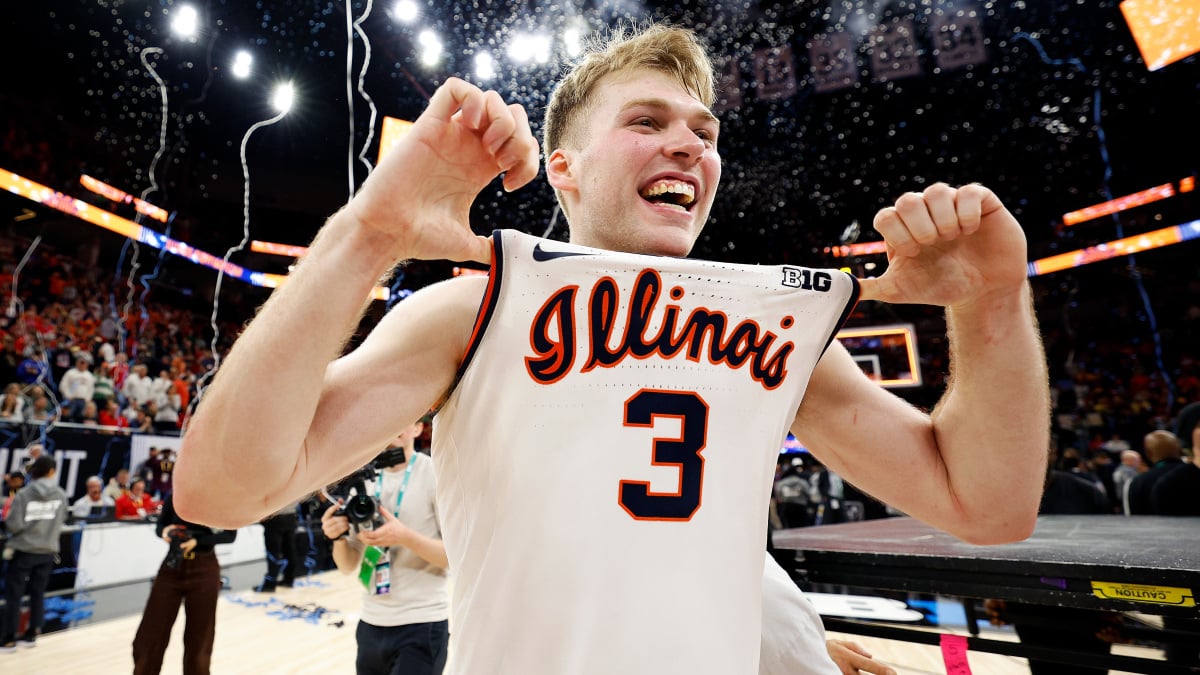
(640, 396)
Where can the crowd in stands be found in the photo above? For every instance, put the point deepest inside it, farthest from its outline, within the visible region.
(73, 349)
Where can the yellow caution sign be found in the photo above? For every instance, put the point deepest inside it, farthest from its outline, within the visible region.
(1158, 595)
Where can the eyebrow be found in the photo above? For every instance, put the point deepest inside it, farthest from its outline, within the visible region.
(661, 104)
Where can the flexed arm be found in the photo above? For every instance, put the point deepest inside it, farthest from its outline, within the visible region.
(285, 415)
(974, 466)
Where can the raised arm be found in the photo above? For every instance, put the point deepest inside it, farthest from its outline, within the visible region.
(285, 415)
(973, 467)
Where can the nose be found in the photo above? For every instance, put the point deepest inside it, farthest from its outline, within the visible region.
(683, 143)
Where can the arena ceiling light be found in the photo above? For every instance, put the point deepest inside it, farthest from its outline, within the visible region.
(572, 37)
(485, 66)
(185, 21)
(283, 98)
(527, 47)
(431, 47)
(405, 11)
(241, 66)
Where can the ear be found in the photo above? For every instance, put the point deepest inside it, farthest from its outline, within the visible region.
(559, 171)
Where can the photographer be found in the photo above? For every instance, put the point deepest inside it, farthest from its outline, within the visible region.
(400, 559)
(190, 573)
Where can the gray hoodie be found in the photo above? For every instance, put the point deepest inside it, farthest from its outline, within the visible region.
(37, 516)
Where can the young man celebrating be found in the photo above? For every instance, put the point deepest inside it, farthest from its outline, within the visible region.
(640, 397)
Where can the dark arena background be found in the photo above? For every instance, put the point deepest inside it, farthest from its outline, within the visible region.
(154, 190)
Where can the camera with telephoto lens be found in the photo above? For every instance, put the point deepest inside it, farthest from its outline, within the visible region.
(358, 505)
(175, 552)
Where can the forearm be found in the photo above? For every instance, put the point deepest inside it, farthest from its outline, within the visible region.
(431, 550)
(346, 556)
(992, 426)
(265, 394)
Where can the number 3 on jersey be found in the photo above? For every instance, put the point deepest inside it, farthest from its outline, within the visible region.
(683, 452)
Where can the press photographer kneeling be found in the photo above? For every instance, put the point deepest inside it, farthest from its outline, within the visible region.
(189, 573)
(384, 529)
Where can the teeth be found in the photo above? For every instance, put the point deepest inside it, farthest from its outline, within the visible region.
(686, 191)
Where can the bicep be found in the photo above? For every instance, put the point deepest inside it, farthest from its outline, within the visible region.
(401, 370)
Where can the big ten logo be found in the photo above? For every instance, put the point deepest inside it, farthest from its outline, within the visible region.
(806, 279)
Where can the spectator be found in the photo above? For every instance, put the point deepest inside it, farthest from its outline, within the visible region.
(13, 482)
(104, 390)
(32, 393)
(34, 451)
(142, 422)
(120, 372)
(117, 485)
(41, 411)
(12, 404)
(105, 351)
(94, 498)
(1164, 451)
(1177, 493)
(182, 384)
(111, 415)
(89, 416)
(166, 414)
(161, 389)
(1131, 465)
(157, 472)
(137, 387)
(77, 387)
(792, 495)
(34, 523)
(135, 504)
(33, 368)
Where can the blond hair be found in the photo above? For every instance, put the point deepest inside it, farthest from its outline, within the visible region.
(659, 47)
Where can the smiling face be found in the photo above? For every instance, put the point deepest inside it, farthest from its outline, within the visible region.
(645, 170)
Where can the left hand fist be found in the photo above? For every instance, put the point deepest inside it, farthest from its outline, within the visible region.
(391, 533)
(948, 246)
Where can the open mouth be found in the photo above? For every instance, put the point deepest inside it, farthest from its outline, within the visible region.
(677, 194)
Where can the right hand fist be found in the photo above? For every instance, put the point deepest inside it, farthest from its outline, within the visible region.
(419, 197)
(334, 526)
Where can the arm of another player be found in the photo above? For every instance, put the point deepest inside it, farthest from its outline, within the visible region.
(268, 407)
(974, 466)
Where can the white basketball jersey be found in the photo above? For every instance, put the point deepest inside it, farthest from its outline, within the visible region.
(605, 460)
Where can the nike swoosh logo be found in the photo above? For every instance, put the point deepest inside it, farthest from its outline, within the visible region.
(542, 255)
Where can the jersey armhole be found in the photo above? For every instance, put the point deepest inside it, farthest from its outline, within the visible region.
(486, 308)
(851, 303)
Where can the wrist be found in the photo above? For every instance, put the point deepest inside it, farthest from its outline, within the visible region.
(996, 305)
(371, 241)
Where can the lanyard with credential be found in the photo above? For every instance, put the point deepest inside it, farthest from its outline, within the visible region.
(403, 486)
(375, 570)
